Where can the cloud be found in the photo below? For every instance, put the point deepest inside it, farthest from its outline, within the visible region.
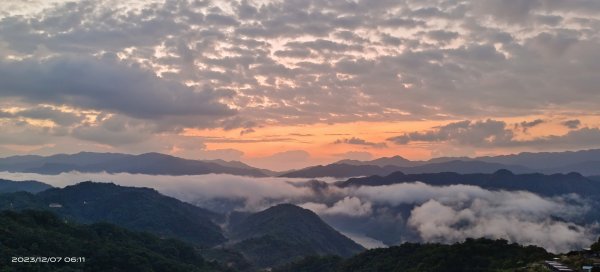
(59, 117)
(21, 133)
(108, 85)
(525, 125)
(113, 131)
(492, 133)
(247, 131)
(511, 11)
(359, 141)
(583, 137)
(273, 61)
(349, 206)
(442, 36)
(478, 133)
(444, 223)
(571, 124)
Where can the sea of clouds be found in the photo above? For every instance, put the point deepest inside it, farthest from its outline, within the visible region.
(391, 213)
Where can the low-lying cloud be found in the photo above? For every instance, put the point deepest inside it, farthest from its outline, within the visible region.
(392, 213)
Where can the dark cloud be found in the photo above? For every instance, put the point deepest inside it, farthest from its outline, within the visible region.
(442, 35)
(247, 131)
(509, 11)
(113, 131)
(59, 117)
(477, 133)
(100, 84)
(525, 125)
(572, 124)
(492, 133)
(359, 141)
(21, 133)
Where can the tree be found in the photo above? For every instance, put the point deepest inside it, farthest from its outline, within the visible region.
(596, 246)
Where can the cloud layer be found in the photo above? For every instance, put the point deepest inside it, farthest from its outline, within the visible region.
(394, 213)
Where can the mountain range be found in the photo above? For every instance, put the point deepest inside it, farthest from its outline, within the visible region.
(267, 238)
(548, 185)
(585, 162)
(9, 186)
(148, 163)
(341, 170)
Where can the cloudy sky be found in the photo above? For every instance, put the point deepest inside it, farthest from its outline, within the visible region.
(285, 84)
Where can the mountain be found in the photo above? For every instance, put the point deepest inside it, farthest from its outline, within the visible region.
(586, 162)
(105, 247)
(464, 167)
(555, 184)
(9, 186)
(594, 178)
(384, 161)
(148, 163)
(471, 255)
(286, 232)
(587, 168)
(546, 160)
(458, 166)
(140, 209)
(241, 165)
(340, 171)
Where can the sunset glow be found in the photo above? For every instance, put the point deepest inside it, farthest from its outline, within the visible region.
(307, 82)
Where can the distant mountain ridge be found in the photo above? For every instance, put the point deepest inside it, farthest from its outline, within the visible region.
(555, 184)
(532, 160)
(340, 170)
(31, 186)
(585, 162)
(147, 163)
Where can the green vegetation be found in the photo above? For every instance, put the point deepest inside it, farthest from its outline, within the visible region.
(229, 258)
(105, 247)
(596, 246)
(312, 264)
(472, 255)
(583, 258)
(9, 186)
(140, 209)
(285, 233)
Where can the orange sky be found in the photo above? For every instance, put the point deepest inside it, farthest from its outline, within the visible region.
(318, 139)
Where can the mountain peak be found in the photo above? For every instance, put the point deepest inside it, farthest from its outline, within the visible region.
(503, 172)
(291, 232)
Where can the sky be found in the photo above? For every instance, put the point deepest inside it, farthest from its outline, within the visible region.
(287, 84)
